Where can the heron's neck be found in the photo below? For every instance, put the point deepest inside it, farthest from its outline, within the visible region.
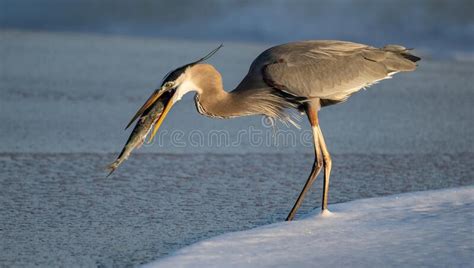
(212, 99)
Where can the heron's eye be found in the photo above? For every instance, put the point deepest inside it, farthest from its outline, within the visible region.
(169, 84)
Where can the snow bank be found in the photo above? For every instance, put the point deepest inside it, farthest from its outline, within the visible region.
(432, 228)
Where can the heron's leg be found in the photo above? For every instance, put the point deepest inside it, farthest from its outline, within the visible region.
(318, 160)
(327, 169)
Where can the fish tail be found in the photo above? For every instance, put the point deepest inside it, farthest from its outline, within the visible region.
(122, 157)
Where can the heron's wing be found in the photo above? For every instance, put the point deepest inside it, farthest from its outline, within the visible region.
(331, 70)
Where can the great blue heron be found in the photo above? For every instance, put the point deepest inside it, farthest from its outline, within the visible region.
(304, 75)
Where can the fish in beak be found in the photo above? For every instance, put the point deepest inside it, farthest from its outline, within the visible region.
(163, 115)
(168, 87)
(150, 117)
(151, 114)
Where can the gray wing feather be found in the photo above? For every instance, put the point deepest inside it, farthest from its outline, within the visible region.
(331, 70)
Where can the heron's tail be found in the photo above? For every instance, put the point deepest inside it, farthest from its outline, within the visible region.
(410, 57)
(399, 58)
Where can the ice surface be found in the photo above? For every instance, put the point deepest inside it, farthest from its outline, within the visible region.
(58, 210)
(63, 92)
(432, 228)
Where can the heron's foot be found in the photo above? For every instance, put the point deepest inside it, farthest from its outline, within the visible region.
(326, 213)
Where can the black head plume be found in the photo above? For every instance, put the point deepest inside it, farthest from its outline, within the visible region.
(173, 75)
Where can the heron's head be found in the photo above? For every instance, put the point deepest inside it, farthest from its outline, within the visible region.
(176, 84)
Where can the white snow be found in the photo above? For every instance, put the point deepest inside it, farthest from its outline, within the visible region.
(432, 228)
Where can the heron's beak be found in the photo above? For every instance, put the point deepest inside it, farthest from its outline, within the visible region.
(152, 99)
(162, 116)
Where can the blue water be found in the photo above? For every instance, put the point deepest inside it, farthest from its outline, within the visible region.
(439, 27)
